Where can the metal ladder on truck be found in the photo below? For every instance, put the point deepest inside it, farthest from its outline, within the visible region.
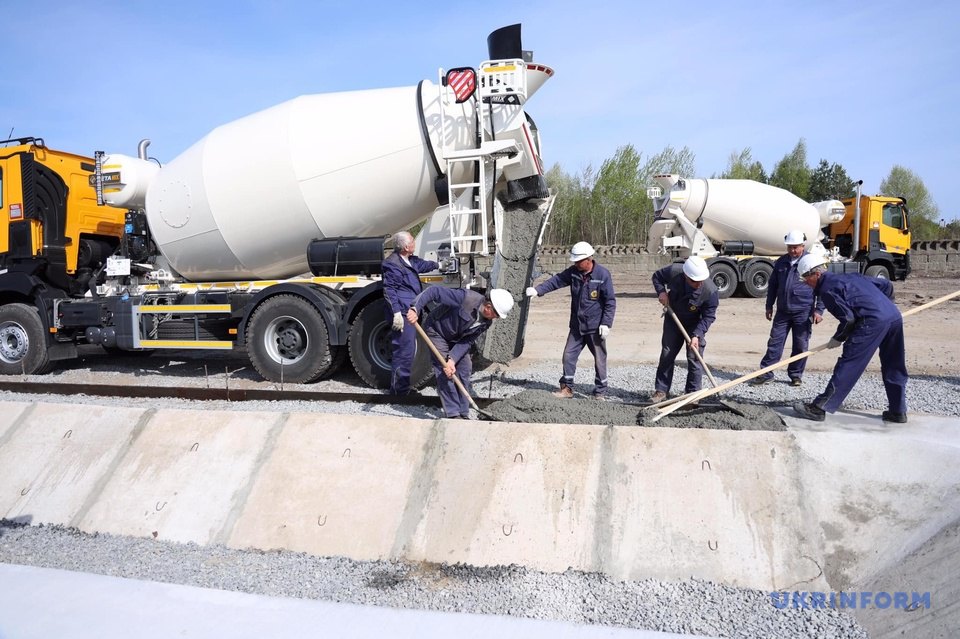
(498, 82)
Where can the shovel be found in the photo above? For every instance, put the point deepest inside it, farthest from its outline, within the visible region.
(456, 380)
(696, 352)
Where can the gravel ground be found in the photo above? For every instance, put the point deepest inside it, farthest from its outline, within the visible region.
(935, 395)
(692, 607)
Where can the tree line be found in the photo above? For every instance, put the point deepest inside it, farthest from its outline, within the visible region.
(610, 205)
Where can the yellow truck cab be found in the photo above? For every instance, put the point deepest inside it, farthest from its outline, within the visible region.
(882, 234)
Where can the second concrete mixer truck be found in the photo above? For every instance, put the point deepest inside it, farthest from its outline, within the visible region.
(267, 235)
(738, 226)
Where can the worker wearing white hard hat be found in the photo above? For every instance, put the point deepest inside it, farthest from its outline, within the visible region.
(593, 305)
(796, 313)
(689, 292)
(869, 322)
(458, 319)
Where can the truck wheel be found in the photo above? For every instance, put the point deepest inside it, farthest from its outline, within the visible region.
(724, 278)
(877, 270)
(287, 340)
(23, 341)
(371, 351)
(756, 280)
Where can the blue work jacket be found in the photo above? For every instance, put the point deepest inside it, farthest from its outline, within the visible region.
(456, 317)
(790, 292)
(592, 300)
(855, 299)
(695, 307)
(401, 283)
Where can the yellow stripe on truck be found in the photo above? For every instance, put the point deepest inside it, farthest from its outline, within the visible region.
(184, 308)
(175, 343)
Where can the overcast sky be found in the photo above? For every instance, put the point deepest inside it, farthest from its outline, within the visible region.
(867, 84)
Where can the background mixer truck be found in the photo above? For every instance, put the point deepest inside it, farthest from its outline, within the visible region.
(210, 250)
(738, 226)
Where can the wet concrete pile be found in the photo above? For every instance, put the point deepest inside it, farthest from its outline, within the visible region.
(512, 269)
(539, 406)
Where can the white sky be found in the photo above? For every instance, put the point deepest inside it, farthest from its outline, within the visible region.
(867, 84)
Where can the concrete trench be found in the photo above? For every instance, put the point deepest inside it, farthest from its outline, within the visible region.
(851, 505)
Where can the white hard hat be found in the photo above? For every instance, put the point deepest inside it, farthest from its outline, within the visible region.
(795, 237)
(502, 301)
(581, 251)
(809, 262)
(696, 269)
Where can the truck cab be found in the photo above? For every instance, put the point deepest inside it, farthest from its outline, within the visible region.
(882, 235)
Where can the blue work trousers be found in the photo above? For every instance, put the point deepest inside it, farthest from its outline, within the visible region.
(670, 346)
(571, 353)
(454, 403)
(800, 326)
(404, 345)
(858, 349)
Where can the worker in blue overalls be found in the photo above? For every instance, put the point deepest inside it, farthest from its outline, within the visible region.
(592, 307)
(454, 324)
(401, 283)
(869, 320)
(688, 290)
(795, 311)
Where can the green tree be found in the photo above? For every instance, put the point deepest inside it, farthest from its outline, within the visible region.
(829, 182)
(742, 166)
(571, 207)
(618, 196)
(792, 173)
(924, 212)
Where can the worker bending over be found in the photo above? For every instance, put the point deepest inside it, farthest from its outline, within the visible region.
(688, 290)
(795, 311)
(454, 324)
(592, 307)
(869, 320)
(401, 283)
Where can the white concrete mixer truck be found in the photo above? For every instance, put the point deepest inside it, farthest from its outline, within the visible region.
(738, 226)
(267, 235)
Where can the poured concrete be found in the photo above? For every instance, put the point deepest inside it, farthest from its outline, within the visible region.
(544, 407)
(815, 507)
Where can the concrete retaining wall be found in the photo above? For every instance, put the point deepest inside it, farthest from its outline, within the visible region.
(768, 510)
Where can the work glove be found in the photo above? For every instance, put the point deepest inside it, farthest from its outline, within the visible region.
(604, 331)
(531, 292)
(834, 343)
(398, 321)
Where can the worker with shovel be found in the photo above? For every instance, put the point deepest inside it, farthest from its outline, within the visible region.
(458, 319)
(869, 321)
(692, 296)
(592, 307)
(795, 311)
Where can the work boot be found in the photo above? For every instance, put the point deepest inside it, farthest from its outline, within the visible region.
(565, 392)
(658, 397)
(896, 418)
(760, 381)
(599, 397)
(809, 411)
(796, 381)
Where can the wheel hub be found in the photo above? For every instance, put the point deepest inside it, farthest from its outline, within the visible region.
(14, 343)
(286, 340)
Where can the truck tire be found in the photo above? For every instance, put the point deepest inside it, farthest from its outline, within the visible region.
(756, 279)
(371, 352)
(724, 278)
(287, 340)
(23, 341)
(877, 270)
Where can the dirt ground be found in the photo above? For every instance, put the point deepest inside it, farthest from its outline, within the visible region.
(738, 339)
